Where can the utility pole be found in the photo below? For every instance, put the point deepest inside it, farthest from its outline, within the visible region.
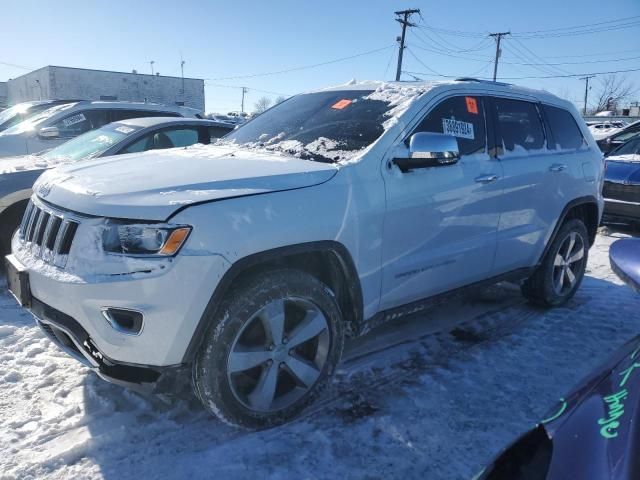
(404, 21)
(182, 62)
(586, 91)
(498, 37)
(151, 63)
(244, 91)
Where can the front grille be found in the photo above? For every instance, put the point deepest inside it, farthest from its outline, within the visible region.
(620, 191)
(49, 234)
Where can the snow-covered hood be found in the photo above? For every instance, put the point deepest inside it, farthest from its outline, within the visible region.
(153, 185)
(11, 145)
(24, 162)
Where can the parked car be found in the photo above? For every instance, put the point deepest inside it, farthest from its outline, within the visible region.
(614, 140)
(244, 265)
(592, 433)
(60, 123)
(17, 174)
(602, 130)
(22, 111)
(621, 190)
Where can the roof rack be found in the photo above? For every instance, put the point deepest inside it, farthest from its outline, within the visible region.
(472, 79)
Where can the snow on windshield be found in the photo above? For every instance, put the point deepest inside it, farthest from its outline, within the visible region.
(332, 125)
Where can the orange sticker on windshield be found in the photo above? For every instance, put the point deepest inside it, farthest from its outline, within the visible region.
(342, 104)
(472, 105)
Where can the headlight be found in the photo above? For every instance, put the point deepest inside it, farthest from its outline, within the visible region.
(164, 240)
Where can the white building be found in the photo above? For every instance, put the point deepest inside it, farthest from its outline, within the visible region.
(54, 82)
(3, 95)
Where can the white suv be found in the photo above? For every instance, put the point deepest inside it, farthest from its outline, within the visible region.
(244, 265)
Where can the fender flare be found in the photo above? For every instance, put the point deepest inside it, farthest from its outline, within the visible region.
(586, 200)
(343, 257)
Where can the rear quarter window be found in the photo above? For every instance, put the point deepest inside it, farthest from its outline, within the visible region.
(565, 130)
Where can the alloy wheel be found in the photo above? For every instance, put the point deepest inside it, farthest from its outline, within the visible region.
(278, 355)
(568, 263)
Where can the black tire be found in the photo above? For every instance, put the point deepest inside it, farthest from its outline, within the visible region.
(9, 223)
(218, 388)
(541, 288)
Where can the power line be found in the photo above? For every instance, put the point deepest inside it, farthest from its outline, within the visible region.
(573, 75)
(582, 26)
(304, 67)
(13, 65)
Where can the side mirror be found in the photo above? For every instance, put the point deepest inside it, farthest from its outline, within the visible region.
(428, 149)
(49, 132)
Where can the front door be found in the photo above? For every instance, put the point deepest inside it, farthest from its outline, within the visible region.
(441, 222)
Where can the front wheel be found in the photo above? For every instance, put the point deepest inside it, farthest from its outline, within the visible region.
(271, 347)
(560, 274)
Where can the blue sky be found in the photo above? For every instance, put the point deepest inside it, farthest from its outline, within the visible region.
(228, 39)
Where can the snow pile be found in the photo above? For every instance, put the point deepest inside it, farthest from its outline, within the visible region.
(26, 162)
(400, 97)
(435, 397)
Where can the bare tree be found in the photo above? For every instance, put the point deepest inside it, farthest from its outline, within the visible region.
(262, 104)
(611, 92)
(280, 99)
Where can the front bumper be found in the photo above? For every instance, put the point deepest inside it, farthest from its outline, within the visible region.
(69, 336)
(620, 210)
(172, 301)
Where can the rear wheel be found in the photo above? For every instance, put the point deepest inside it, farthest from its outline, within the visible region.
(270, 349)
(560, 274)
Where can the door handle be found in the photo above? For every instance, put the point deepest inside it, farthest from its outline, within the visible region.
(558, 167)
(487, 178)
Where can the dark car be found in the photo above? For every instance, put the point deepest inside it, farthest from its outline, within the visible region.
(621, 189)
(17, 174)
(593, 433)
(615, 140)
(22, 111)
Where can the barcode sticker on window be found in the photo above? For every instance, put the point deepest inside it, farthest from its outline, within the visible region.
(457, 128)
(72, 120)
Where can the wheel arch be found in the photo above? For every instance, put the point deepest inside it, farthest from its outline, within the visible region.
(329, 261)
(583, 208)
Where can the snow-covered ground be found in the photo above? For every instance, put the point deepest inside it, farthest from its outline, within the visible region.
(435, 397)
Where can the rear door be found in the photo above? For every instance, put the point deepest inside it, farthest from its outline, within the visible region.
(532, 177)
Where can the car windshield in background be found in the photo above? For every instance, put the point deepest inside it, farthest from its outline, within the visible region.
(324, 126)
(632, 147)
(91, 144)
(12, 112)
(35, 120)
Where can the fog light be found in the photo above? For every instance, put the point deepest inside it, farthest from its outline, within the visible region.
(124, 320)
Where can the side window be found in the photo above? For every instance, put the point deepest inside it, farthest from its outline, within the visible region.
(462, 117)
(218, 132)
(179, 137)
(80, 122)
(182, 137)
(565, 130)
(519, 124)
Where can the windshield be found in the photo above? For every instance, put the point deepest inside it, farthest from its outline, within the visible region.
(35, 120)
(632, 147)
(92, 143)
(325, 126)
(10, 113)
